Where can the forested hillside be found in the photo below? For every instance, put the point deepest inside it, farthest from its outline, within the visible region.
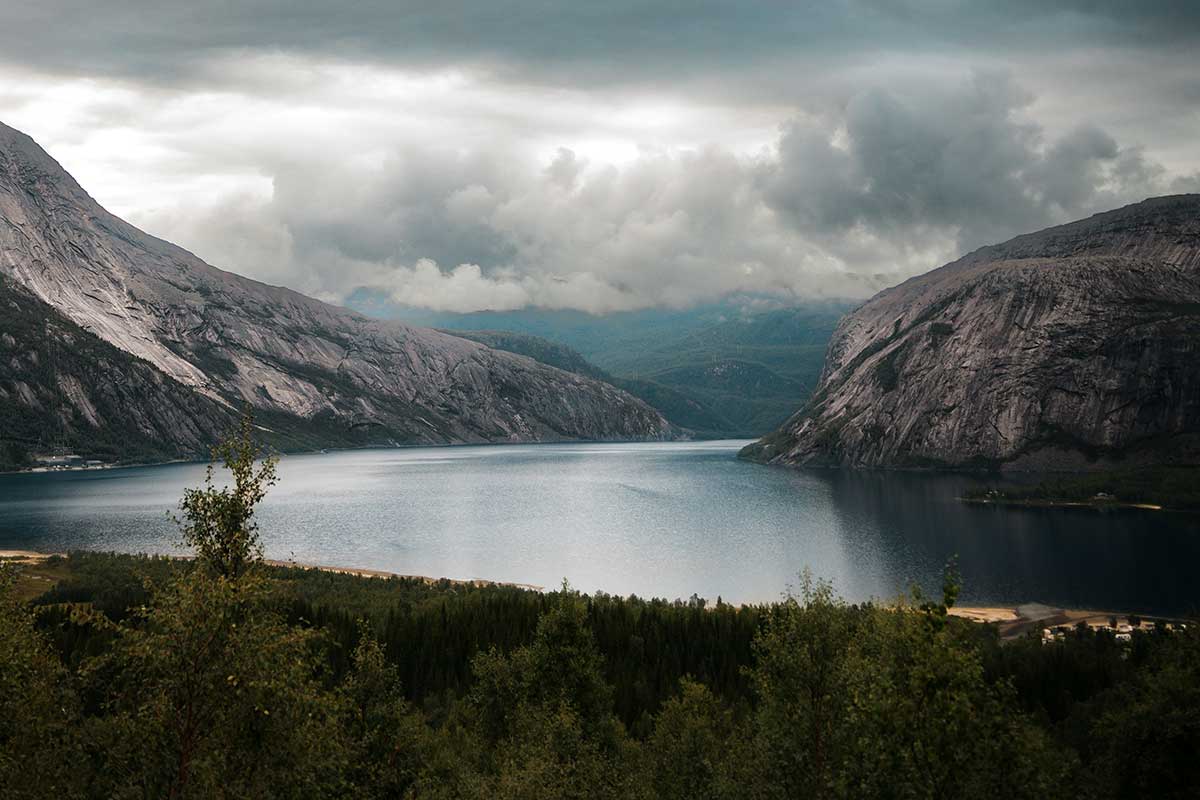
(223, 677)
(724, 370)
(679, 405)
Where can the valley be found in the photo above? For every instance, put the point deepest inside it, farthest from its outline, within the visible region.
(737, 368)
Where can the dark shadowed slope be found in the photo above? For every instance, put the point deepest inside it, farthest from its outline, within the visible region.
(62, 387)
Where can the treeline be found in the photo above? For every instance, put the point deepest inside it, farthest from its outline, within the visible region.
(1170, 486)
(220, 677)
(203, 685)
(431, 630)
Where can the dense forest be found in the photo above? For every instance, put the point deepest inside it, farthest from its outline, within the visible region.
(222, 676)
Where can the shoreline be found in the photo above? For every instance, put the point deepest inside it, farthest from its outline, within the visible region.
(35, 557)
(364, 572)
(328, 450)
(1098, 505)
(1013, 621)
(1024, 618)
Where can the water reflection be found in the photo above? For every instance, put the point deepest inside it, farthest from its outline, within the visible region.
(653, 519)
(1125, 559)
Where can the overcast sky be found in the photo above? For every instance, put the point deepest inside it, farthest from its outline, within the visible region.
(471, 154)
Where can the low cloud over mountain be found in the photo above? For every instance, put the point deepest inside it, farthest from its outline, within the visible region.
(631, 160)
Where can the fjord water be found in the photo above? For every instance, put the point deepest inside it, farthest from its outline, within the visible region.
(667, 520)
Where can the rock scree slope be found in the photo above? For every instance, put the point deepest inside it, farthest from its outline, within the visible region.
(341, 377)
(1074, 348)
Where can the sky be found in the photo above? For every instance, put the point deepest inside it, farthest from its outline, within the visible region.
(498, 154)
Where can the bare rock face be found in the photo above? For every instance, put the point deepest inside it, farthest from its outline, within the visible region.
(64, 388)
(1077, 347)
(239, 341)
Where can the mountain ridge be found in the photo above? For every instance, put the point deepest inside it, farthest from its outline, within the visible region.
(1070, 348)
(240, 341)
(680, 362)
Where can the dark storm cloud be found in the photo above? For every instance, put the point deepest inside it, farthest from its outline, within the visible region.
(842, 205)
(466, 155)
(962, 162)
(612, 41)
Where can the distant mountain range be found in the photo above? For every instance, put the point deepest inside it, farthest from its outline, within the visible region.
(179, 338)
(727, 369)
(1077, 347)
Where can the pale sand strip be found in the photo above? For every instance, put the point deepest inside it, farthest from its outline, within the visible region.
(34, 557)
(376, 573)
(26, 555)
(1011, 620)
(985, 613)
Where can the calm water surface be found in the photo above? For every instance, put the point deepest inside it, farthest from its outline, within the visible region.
(652, 519)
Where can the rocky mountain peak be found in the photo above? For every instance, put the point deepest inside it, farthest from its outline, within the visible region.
(1073, 348)
(239, 341)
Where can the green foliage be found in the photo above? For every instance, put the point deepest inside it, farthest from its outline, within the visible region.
(38, 711)
(830, 700)
(1147, 731)
(219, 523)
(699, 750)
(1176, 487)
(561, 669)
(801, 679)
(388, 741)
(13, 456)
(208, 693)
(860, 701)
(546, 712)
(138, 678)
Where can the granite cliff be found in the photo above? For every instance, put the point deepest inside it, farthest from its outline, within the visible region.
(326, 373)
(62, 388)
(1074, 348)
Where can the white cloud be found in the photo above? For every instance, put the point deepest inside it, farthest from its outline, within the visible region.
(603, 171)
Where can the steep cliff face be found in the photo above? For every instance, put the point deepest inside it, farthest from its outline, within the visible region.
(1073, 348)
(62, 387)
(235, 340)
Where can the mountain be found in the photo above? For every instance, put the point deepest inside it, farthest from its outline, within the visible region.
(725, 369)
(330, 373)
(1074, 348)
(61, 386)
(537, 348)
(679, 408)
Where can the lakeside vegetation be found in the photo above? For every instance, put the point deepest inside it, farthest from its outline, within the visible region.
(225, 677)
(1171, 487)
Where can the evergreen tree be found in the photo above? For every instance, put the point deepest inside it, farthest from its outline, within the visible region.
(546, 711)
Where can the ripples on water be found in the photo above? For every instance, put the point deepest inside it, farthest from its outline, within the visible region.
(652, 519)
